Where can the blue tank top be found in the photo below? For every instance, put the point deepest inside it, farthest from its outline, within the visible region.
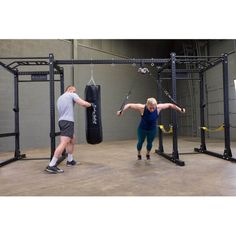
(149, 119)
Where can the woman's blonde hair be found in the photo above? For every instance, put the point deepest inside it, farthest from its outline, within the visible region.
(151, 101)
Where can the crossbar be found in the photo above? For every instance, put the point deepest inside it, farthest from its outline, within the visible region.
(7, 135)
(111, 61)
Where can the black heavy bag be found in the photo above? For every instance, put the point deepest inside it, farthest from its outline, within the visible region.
(93, 115)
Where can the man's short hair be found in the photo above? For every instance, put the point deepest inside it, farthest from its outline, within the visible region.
(68, 87)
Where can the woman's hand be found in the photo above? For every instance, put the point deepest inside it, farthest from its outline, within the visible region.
(119, 113)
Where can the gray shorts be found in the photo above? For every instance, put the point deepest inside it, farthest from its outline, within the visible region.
(66, 128)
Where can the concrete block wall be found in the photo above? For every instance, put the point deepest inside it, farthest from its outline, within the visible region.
(115, 82)
(215, 88)
(188, 96)
(34, 97)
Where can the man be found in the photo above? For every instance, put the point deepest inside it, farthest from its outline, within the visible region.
(65, 105)
(147, 127)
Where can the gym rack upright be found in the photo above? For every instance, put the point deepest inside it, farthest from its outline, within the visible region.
(36, 76)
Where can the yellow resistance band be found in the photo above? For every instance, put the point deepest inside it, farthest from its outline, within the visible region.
(164, 130)
(220, 128)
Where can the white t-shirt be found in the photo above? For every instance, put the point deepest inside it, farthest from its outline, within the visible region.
(65, 105)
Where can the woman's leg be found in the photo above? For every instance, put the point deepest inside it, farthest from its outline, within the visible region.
(150, 137)
(141, 139)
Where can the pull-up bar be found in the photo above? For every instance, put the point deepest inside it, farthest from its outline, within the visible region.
(112, 61)
(207, 57)
(22, 58)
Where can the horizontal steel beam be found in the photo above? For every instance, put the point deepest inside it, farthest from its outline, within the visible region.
(214, 63)
(7, 135)
(170, 158)
(36, 159)
(36, 73)
(198, 57)
(164, 62)
(6, 67)
(25, 81)
(182, 71)
(110, 61)
(166, 65)
(177, 78)
(192, 61)
(27, 63)
(3, 163)
(22, 58)
(218, 155)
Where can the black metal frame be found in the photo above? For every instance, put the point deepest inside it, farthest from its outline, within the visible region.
(203, 63)
(13, 68)
(160, 151)
(54, 68)
(227, 154)
(167, 65)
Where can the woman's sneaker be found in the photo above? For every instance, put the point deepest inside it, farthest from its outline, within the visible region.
(71, 163)
(139, 157)
(148, 157)
(53, 169)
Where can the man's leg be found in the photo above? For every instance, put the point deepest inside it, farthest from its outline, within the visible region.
(70, 146)
(58, 152)
(64, 141)
(70, 150)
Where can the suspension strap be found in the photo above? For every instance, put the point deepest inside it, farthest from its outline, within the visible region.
(166, 131)
(126, 98)
(220, 128)
(124, 101)
(145, 71)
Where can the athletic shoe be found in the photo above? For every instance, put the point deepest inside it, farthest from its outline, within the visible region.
(59, 170)
(71, 163)
(148, 157)
(139, 157)
(53, 170)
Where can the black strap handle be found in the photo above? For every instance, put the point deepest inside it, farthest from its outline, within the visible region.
(124, 101)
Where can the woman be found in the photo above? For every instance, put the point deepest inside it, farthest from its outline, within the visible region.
(148, 124)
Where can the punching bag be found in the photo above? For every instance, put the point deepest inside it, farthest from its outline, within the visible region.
(93, 115)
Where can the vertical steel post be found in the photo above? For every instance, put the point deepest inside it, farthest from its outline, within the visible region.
(159, 98)
(52, 104)
(74, 57)
(62, 85)
(202, 117)
(16, 110)
(227, 151)
(174, 113)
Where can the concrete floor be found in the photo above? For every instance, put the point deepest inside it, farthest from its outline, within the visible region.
(111, 169)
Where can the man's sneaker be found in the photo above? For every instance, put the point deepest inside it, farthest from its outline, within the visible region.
(148, 157)
(59, 170)
(71, 163)
(139, 157)
(53, 169)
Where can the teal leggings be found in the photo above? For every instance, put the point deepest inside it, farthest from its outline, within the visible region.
(142, 134)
